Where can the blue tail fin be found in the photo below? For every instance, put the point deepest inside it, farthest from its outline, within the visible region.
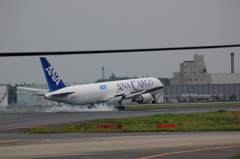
(53, 80)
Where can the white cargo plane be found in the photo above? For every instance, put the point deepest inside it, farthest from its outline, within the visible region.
(140, 90)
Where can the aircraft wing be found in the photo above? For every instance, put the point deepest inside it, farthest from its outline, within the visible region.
(154, 89)
(133, 94)
(120, 97)
(127, 96)
(39, 92)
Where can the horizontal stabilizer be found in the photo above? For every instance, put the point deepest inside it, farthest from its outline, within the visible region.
(39, 92)
(62, 94)
(34, 89)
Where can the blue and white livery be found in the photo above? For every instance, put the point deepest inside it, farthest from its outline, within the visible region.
(140, 90)
(53, 80)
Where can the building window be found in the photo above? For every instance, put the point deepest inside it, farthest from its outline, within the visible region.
(184, 72)
(190, 79)
(194, 72)
(196, 80)
(184, 66)
(194, 66)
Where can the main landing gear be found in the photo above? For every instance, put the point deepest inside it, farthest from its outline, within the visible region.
(120, 107)
(91, 106)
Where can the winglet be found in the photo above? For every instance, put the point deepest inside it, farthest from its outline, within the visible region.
(52, 78)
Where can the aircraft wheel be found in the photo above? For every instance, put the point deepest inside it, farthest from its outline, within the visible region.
(120, 107)
(154, 102)
(91, 106)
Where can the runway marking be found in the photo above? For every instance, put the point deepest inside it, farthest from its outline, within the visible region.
(26, 140)
(170, 153)
(9, 140)
(40, 125)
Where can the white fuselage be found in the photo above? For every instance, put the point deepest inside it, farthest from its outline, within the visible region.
(103, 92)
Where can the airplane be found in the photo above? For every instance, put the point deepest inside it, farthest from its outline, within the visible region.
(140, 90)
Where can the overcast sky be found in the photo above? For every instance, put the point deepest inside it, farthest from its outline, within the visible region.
(76, 25)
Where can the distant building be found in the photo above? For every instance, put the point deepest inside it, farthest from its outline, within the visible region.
(3, 96)
(194, 81)
(192, 71)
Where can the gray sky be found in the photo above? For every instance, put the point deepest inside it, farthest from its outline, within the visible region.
(72, 25)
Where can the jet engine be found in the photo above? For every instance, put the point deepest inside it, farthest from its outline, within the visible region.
(143, 98)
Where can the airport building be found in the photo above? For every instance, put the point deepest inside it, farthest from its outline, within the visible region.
(194, 80)
(194, 71)
(3, 96)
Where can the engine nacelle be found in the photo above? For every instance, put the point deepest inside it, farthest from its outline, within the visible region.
(143, 98)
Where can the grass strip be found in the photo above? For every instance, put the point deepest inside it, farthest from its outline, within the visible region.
(222, 120)
(183, 105)
(235, 157)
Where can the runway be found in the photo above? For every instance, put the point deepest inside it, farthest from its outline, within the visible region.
(111, 145)
(125, 145)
